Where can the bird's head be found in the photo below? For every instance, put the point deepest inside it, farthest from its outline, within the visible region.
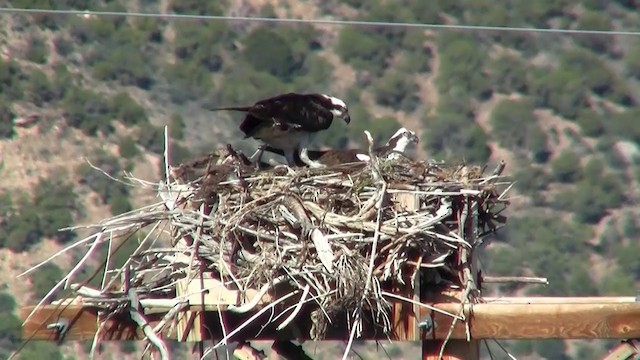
(402, 138)
(338, 108)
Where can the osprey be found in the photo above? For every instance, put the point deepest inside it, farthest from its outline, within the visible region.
(392, 150)
(289, 121)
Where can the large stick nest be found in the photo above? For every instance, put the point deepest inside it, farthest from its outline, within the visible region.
(340, 237)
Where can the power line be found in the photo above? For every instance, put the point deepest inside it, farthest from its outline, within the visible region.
(315, 21)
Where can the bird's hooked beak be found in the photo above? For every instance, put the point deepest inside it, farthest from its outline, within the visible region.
(414, 138)
(341, 113)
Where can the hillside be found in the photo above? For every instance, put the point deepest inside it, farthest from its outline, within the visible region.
(562, 110)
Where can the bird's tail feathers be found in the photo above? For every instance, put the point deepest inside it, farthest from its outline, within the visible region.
(232, 108)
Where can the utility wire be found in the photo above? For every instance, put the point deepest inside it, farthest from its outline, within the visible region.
(7, 10)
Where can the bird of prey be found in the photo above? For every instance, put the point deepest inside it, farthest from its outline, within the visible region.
(393, 149)
(289, 121)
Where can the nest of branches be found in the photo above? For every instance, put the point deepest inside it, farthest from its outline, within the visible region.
(338, 238)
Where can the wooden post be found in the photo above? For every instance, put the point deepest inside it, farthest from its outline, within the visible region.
(405, 316)
(446, 327)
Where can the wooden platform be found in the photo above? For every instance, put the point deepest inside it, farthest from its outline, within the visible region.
(505, 318)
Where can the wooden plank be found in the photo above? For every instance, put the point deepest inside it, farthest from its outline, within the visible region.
(404, 316)
(211, 293)
(206, 293)
(546, 321)
(561, 300)
(83, 324)
(605, 320)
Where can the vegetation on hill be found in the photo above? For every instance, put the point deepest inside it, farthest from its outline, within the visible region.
(563, 109)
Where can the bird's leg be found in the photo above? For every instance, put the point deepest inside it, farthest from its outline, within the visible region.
(304, 156)
(291, 158)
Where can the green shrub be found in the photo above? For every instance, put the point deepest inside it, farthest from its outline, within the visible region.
(515, 127)
(38, 50)
(566, 167)
(630, 228)
(62, 82)
(508, 74)
(41, 350)
(39, 89)
(127, 147)
(196, 7)
(587, 206)
(551, 349)
(119, 203)
(128, 110)
(21, 235)
(547, 239)
(188, 82)
(279, 61)
(617, 283)
(593, 196)
(586, 67)
(397, 90)
(590, 123)
(632, 61)
(456, 103)
(176, 126)
(539, 13)
(6, 120)
(110, 191)
(152, 139)
(200, 43)
(125, 64)
(461, 62)
(7, 303)
(595, 42)
(27, 220)
(580, 282)
(417, 61)
(561, 90)
(151, 29)
(452, 137)
(624, 125)
(10, 334)
(44, 279)
(10, 80)
(179, 154)
(627, 258)
(63, 46)
(364, 49)
(248, 85)
(56, 202)
(88, 111)
(531, 181)
(316, 75)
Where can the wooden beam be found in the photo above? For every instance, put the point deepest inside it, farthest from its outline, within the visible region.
(405, 315)
(82, 324)
(539, 318)
(561, 300)
(543, 321)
